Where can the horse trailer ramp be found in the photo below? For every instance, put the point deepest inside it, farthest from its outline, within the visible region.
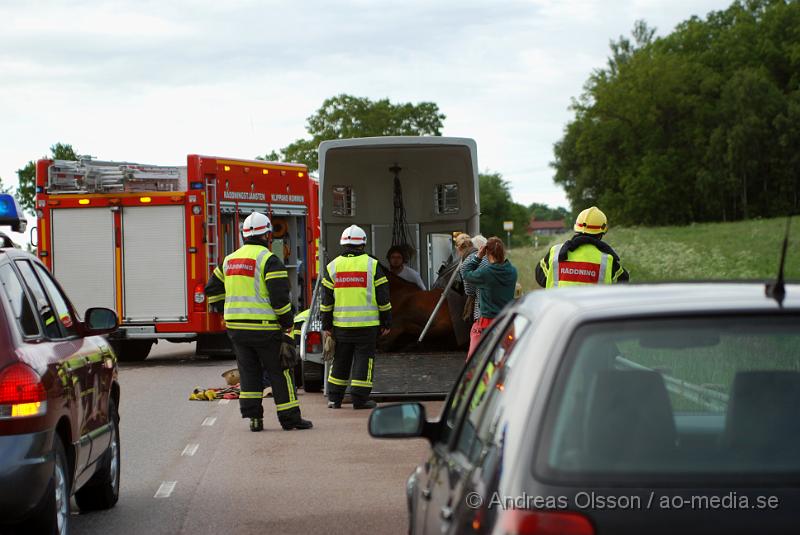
(412, 375)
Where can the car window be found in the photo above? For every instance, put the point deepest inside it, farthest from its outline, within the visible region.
(58, 300)
(673, 398)
(20, 304)
(43, 306)
(468, 377)
(488, 393)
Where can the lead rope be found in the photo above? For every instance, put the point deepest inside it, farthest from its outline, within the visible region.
(400, 233)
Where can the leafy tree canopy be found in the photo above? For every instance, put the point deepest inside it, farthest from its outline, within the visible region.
(497, 206)
(346, 116)
(700, 125)
(26, 192)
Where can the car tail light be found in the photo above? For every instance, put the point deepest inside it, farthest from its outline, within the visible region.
(521, 522)
(21, 392)
(313, 342)
(199, 297)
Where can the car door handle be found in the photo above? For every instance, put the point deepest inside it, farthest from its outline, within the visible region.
(426, 493)
(446, 513)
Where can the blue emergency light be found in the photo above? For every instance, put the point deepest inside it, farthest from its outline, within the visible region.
(11, 214)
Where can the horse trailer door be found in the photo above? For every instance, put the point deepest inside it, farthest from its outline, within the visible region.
(440, 249)
(82, 253)
(154, 241)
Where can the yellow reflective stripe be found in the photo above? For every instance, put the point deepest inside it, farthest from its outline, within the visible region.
(326, 308)
(49, 320)
(290, 384)
(76, 363)
(251, 395)
(95, 357)
(338, 382)
(616, 276)
(297, 332)
(216, 298)
(284, 310)
(381, 281)
(252, 326)
(276, 275)
(363, 384)
(369, 370)
(218, 273)
(328, 284)
(287, 406)
(384, 308)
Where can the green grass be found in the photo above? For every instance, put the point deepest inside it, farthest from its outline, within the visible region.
(744, 250)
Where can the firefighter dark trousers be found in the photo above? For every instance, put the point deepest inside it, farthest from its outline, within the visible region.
(257, 353)
(352, 363)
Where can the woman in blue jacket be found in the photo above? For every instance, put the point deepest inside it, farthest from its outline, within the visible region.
(496, 282)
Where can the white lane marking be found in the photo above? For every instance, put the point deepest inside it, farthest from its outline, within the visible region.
(165, 490)
(208, 422)
(190, 450)
(224, 401)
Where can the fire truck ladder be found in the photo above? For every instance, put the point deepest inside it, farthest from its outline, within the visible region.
(212, 209)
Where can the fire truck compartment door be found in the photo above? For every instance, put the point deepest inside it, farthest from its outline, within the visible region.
(82, 252)
(154, 241)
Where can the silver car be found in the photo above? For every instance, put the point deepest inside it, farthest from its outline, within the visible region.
(633, 409)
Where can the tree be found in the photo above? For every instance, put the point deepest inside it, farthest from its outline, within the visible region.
(346, 116)
(543, 212)
(699, 125)
(5, 189)
(497, 206)
(26, 191)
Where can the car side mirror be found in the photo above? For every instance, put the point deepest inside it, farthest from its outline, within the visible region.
(403, 420)
(101, 320)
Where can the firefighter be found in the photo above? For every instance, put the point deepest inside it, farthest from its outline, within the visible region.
(254, 285)
(355, 306)
(583, 259)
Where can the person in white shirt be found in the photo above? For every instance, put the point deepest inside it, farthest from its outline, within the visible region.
(397, 265)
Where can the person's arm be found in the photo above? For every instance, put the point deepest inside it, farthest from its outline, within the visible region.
(469, 289)
(382, 298)
(215, 290)
(418, 279)
(326, 307)
(620, 274)
(542, 270)
(477, 270)
(277, 280)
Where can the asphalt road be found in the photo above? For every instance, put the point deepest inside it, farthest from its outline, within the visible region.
(212, 475)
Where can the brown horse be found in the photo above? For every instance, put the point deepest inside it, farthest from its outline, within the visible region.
(411, 309)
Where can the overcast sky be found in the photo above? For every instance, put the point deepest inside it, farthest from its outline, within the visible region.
(151, 81)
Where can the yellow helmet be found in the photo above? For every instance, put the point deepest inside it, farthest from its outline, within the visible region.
(591, 221)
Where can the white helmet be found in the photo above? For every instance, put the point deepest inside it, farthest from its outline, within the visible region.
(353, 235)
(256, 224)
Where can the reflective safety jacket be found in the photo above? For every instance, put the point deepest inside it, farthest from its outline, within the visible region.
(581, 248)
(356, 293)
(585, 265)
(299, 320)
(254, 285)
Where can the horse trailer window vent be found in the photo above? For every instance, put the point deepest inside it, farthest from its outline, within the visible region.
(344, 201)
(446, 198)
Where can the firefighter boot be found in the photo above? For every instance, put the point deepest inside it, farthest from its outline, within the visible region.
(369, 404)
(334, 404)
(297, 424)
(256, 424)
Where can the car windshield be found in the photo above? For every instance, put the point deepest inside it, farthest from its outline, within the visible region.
(676, 399)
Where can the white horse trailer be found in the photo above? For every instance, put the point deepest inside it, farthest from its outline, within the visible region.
(439, 180)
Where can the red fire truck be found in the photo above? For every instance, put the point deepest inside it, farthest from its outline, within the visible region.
(143, 239)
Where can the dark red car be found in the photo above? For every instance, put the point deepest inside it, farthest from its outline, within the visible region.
(58, 401)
